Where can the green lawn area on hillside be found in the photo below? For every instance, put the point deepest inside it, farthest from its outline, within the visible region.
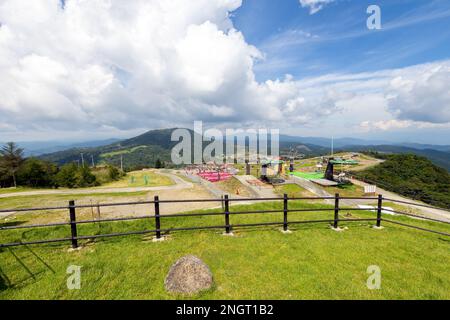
(293, 191)
(21, 202)
(347, 190)
(255, 170)
(143, 178)
(135, 179)
(313, 262)
(14, 190)
(119, 152)
(302, 164)
(308, 175)
(234, 186)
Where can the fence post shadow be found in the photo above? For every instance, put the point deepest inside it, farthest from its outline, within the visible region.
(5, 283)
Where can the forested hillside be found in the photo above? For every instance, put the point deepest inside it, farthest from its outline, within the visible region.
(413, 176)
(439, 158)
(138, 152)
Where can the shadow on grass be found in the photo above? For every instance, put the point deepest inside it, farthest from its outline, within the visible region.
(11, 224)
(29, 261)
(5, 283)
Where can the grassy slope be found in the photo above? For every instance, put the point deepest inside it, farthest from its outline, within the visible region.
(259, 263)
(232, 185)
(60, 199)
(293, 191)
(255, 170)
(137, 179)
(119, 152)
(347, 190)
(154, 180)
(14, 190)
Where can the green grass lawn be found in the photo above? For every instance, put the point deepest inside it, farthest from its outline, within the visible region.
(21, 202)
(347, 190)
(14, 190)
(309, 175)
(302, 164)
(143, 178)
(119, 152)
(255, 170)
(313, 262)
(293, 191)
(136, 179)
(234, 186)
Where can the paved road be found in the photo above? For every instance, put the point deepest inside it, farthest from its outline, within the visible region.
(179, 185)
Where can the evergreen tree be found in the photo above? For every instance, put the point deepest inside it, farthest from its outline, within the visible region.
(12, 158)
(67, 176)
(85, 177)
(37, 173)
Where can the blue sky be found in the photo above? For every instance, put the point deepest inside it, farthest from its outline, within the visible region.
(336, 39)
(97, 69)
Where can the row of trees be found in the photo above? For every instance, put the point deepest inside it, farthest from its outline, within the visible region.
(16, 170)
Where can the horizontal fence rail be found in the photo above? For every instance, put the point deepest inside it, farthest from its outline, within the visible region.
(228, 227)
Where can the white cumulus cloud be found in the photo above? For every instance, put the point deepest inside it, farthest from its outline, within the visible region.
(120, 66)
(314, 5)
(423, 95)
(107, 63)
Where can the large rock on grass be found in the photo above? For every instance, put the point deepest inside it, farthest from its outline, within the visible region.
(189, 275)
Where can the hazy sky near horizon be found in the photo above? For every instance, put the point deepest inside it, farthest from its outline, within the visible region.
(85, 70)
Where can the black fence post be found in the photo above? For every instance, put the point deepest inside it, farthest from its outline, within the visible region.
(227, 215)
(157, 218)
(73, 224)
(379, 209)
(285, 212)
(336, 211)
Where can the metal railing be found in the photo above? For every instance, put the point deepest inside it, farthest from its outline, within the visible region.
(158, 230)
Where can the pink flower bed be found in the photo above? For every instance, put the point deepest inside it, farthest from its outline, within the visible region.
(214, 176)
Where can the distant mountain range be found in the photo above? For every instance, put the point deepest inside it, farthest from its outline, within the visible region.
(345, 142)
(145, 149)
(36, 148)
(326, 142)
